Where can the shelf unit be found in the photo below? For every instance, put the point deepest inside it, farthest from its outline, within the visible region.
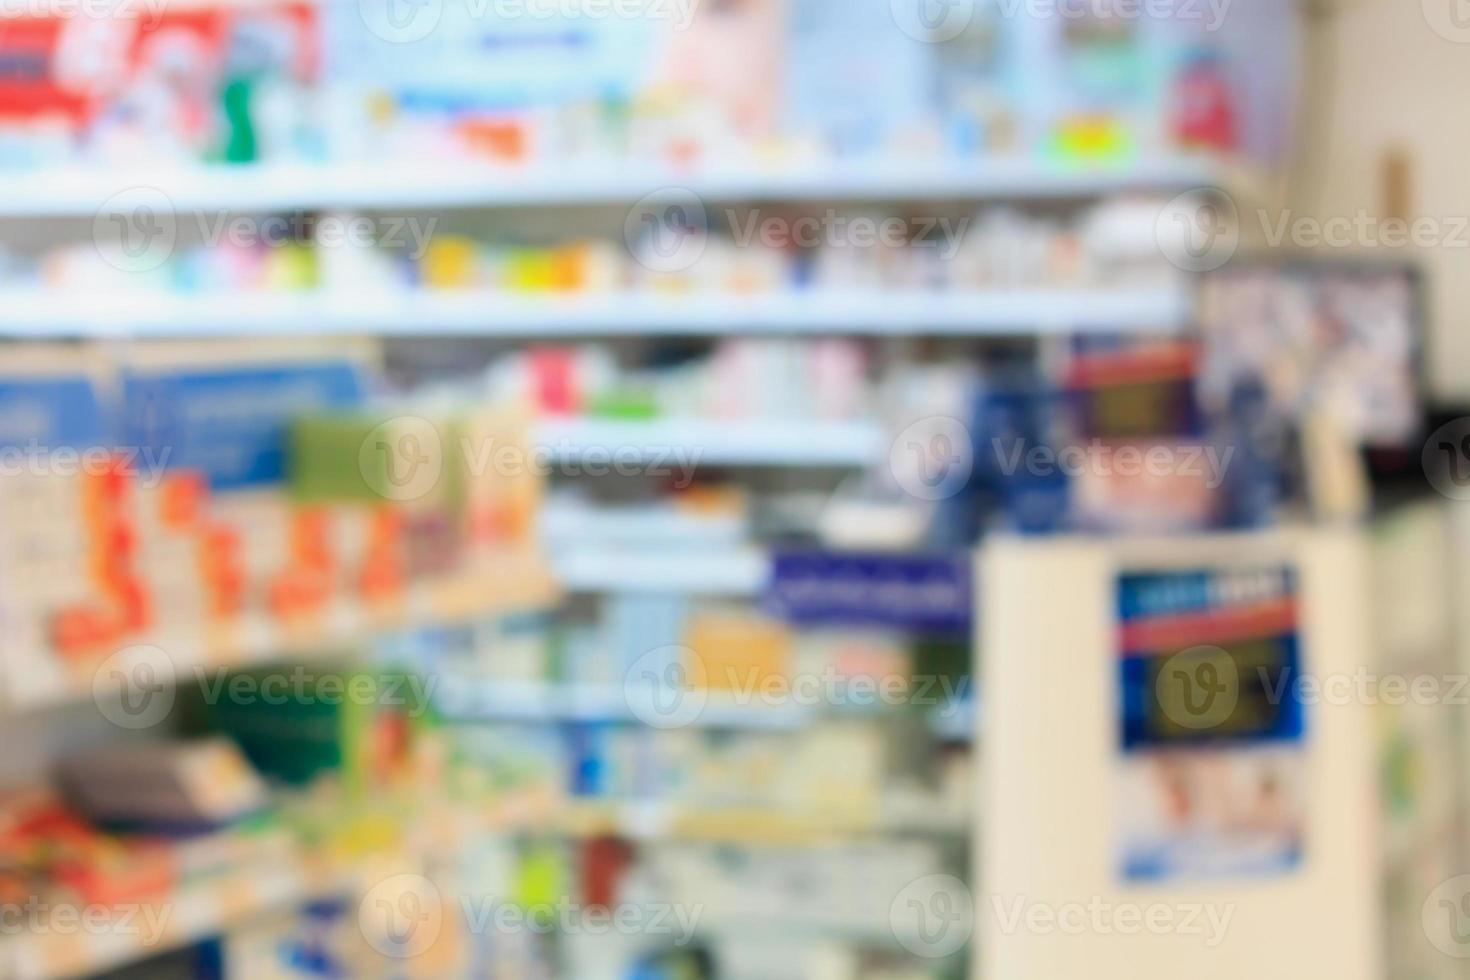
(78, 196)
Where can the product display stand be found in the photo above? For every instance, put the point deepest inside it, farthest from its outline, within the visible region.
(1051, 757)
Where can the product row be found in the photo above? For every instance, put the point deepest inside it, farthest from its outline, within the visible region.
(678, 83)
(216, 501)
(676, 252)
(638, 657)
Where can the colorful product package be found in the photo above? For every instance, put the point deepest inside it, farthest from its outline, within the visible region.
(210, 83)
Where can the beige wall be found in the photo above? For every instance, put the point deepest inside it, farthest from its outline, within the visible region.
(1380, 76)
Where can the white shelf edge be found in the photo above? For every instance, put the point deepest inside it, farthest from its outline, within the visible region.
(681, 443)
(487, 699)
(80, 192)
(1005, 312)
(741, 572)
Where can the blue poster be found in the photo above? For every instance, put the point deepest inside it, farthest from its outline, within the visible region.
(1210, 724)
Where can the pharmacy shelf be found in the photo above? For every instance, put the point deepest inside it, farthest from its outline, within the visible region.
(675, 443)
(81, 192)
(1017, 312)
(732, 572)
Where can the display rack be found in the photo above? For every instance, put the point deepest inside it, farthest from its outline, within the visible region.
(219, 905)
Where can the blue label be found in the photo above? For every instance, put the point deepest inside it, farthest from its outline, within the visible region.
(50, 412)
(924, 593)
(231, 423)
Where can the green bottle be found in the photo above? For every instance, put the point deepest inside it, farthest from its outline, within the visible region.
(240, 146)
